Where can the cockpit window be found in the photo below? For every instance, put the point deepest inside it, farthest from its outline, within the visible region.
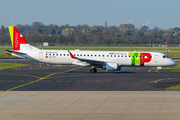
(165, 56)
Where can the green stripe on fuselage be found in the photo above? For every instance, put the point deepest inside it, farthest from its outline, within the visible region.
(135, 58)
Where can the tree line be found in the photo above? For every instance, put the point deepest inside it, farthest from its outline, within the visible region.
(37, 33)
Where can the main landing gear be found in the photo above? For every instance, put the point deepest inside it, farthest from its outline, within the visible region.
(93, 70)
(158, 71)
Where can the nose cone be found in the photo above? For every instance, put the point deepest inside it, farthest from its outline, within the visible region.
(174, 63)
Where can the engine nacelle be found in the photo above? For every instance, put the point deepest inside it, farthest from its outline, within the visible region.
(111, 67)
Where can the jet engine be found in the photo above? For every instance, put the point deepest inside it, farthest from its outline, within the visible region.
(111, 67)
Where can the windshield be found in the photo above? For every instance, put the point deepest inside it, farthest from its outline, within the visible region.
(165, 56)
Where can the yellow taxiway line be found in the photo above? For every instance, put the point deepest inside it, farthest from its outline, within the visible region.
(38, 80)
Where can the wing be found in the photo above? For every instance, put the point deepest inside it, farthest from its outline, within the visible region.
(90, 61)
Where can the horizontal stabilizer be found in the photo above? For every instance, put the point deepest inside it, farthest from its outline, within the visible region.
(11, 51)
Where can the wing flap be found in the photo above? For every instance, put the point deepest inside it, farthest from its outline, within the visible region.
(91, 61)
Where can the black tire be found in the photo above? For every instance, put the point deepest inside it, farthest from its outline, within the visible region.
(92, 70)
(95, 70)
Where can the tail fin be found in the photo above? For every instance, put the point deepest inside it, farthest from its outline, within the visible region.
(19, 43)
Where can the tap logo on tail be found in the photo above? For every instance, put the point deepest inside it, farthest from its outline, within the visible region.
(16, 38)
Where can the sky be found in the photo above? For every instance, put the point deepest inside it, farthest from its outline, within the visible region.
(164, 14)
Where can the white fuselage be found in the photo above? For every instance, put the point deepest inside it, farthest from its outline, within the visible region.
(122, 58)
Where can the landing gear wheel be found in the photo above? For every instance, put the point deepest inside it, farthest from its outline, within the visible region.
(93, 70)
(158, 71)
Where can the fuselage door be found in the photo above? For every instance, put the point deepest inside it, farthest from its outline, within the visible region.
(156, 59)
(40, 55)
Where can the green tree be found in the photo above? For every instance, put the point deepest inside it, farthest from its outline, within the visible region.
(176, 34)
(68, 31)
(52, 26)
(37, 25)
(2, 31)
(117, 40)
(53, 31)
(40, 31)
(122, 27)
(144, 28)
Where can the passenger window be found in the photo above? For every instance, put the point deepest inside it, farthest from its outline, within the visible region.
(77, 54)
(125, 56)
(84, 55)
(122, 56)
(129, 56)
(111, 55)
(103, 55)
(99, 55)
(46, 54)
(56, 54)
(74, 54)
(53, 54)
(64, 54)
(67, 54)
(114, 55)
(95, 55)
(49, 54)
(60, 54)
(91, 55)
(80, 54)
(87, 55)
(107, 55)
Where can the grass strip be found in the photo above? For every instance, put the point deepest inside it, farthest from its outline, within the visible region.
(11, 65)
(174, 87)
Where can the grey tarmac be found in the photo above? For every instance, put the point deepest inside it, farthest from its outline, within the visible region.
(59, 78)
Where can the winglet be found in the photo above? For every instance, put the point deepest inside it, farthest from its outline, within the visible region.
(72, 56)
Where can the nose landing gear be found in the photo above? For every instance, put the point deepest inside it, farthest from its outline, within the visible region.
(158, 69)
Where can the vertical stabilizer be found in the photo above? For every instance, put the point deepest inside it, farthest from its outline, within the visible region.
(19, 43)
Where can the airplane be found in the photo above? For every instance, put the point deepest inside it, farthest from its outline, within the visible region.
(107, 60)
